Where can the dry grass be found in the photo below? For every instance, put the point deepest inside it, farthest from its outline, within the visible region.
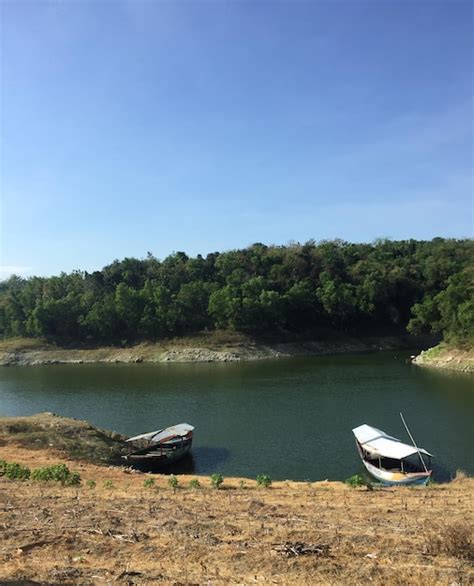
(455, 540)
(292, 533)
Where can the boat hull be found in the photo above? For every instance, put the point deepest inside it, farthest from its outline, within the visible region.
(390, 478)
(159, 456)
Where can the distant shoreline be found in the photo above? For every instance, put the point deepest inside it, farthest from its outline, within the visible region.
(206, 347)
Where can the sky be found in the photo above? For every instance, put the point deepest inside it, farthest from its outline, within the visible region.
(203, 126)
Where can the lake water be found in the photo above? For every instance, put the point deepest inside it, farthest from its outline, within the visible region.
(291, 419)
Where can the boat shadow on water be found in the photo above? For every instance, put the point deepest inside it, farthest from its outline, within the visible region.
(200, 460)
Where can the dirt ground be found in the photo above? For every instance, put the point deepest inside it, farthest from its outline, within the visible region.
(119, 532)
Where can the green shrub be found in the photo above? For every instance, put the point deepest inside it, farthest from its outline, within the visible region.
(355, 481)
(74, 479)
(41, 474)
(91, 484)
(3, 467)
(15, 471)
(57, 473)
(109, 484)
(264, 480)
(173, 482)
(149, 483)
(194, 483)
(216, 480)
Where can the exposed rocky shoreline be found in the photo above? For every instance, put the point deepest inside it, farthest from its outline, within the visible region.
(235, 348)
(447, 358)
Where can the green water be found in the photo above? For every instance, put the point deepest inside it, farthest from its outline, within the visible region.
(291, 419)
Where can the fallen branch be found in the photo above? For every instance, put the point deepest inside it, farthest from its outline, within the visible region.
(298, 548)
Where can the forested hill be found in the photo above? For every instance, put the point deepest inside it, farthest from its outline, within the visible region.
(424, 286)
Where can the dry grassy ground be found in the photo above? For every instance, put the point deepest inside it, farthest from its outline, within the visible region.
(128, 534)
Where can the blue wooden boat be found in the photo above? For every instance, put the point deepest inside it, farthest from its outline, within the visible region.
(389, 460)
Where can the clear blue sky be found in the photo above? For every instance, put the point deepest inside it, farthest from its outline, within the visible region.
(138, 126)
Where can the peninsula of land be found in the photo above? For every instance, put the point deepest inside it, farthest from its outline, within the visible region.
(446, 357)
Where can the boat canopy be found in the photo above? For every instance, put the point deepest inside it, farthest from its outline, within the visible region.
(180, 430)
(379, 443)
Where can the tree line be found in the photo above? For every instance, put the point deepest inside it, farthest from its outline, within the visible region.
(424, 286)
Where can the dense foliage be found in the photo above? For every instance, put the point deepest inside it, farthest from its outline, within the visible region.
(427, 286)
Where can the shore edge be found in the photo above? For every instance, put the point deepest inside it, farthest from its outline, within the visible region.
(202, 348)
(447, 358)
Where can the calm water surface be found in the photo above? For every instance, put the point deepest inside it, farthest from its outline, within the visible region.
(287, 418)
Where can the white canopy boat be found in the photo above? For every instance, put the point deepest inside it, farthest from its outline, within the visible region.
(161, 447)
(389, 460)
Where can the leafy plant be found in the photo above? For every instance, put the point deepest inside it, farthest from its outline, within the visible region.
(109, 484)
(264, 480)
(356, 481)
(15, 471)
(91, 484)
(173, 482)
(149, 483)
(194, 483)
(57, 473)
(74, 479)
(216, 480)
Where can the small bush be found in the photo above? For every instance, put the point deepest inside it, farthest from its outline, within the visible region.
(41, 475)
(194, 483)
(216, 480)
(356, 481)
(149, 483)
(57, 473)
(3, 467)
(109, 484)
(74, 479)
(264, 480)
(15, 471)
(173, 482)
(91, 484)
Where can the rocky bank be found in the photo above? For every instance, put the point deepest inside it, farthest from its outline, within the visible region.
(206, 347)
